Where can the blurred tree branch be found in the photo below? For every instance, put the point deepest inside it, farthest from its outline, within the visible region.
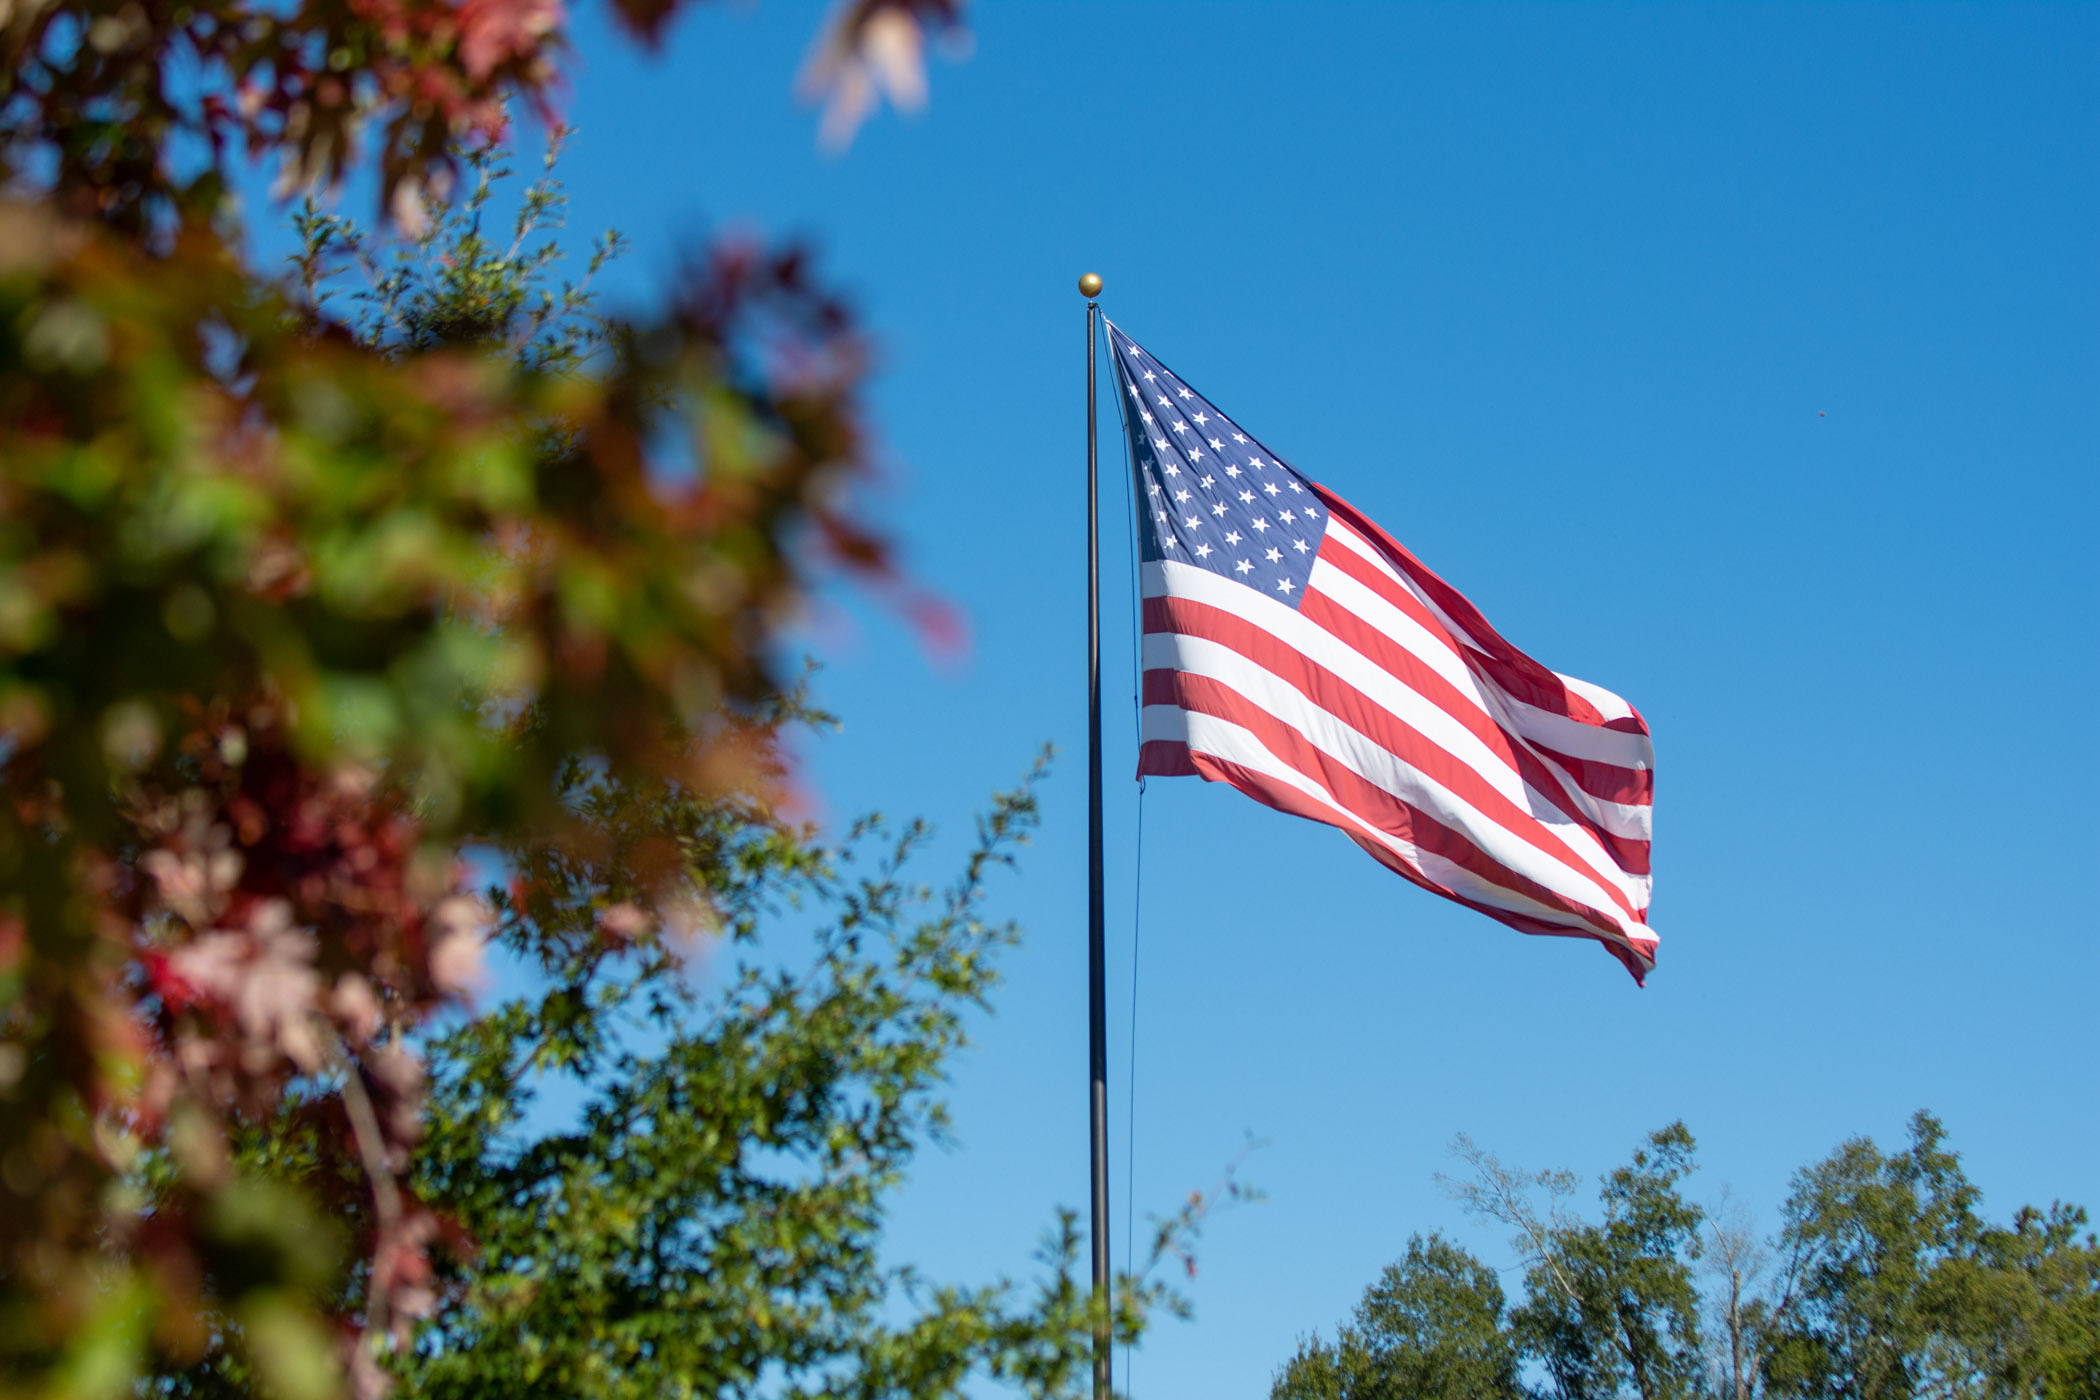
(306, 599)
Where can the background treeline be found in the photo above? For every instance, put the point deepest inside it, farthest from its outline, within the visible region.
(1883, 1282)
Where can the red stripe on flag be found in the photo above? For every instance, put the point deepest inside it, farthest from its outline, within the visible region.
(1611, 782)
(1597, 779)
(1178, 760)
(1337, 697)
(1631, 787)
(1368, 803)
(1525, 679)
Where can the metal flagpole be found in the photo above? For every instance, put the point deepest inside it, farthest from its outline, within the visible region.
(1097, 937)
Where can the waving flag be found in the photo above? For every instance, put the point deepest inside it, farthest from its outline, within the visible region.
(1299, 653)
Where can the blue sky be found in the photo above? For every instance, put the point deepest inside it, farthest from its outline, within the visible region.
(1740, 358)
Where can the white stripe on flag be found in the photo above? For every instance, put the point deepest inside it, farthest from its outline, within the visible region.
(1235, 744)
(1572, 877)
(1436, 725)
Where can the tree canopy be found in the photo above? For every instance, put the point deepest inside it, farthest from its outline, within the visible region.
(1883, 1282)
(1435, 1326)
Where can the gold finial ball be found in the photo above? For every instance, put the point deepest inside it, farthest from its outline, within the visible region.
(1090, 285)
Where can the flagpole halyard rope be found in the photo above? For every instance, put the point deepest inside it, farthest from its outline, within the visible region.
(1137, 905)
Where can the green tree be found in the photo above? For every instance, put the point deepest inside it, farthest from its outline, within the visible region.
(2049, 1329)
(1865, 1235)
(1431, 1328)
(710, 1223)
(1883, 1283)
(1897, 1287)
(665, 1167)
(2026, 1305)
(662, 1165)
(1612, 1308)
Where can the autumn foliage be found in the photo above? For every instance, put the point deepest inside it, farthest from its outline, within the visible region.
(298, 611)
(130, 112)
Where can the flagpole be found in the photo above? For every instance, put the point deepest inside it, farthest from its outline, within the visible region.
(1097, 935)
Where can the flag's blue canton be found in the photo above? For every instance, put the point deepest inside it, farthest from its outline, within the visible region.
(1209, 494)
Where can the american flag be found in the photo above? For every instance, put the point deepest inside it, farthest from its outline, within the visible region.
(1299, 653)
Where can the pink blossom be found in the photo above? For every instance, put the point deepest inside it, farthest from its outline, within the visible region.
(494, 31)
(459, 930)
(264, 973)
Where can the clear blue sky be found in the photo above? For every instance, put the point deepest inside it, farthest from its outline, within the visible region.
(1746, 363)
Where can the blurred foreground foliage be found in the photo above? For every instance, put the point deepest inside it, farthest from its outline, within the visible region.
(1883, 1282)
(357, 621)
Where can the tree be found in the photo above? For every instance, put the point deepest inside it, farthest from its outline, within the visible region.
(288, 624)
(1864, 1236)
(2036, 1330)
(1431, 1328)
(1883, 1283)
(296, 619)
(130, 115)
(705, 1216)
(1896, 1287)
(1611, 1308)
(1737, 1260)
